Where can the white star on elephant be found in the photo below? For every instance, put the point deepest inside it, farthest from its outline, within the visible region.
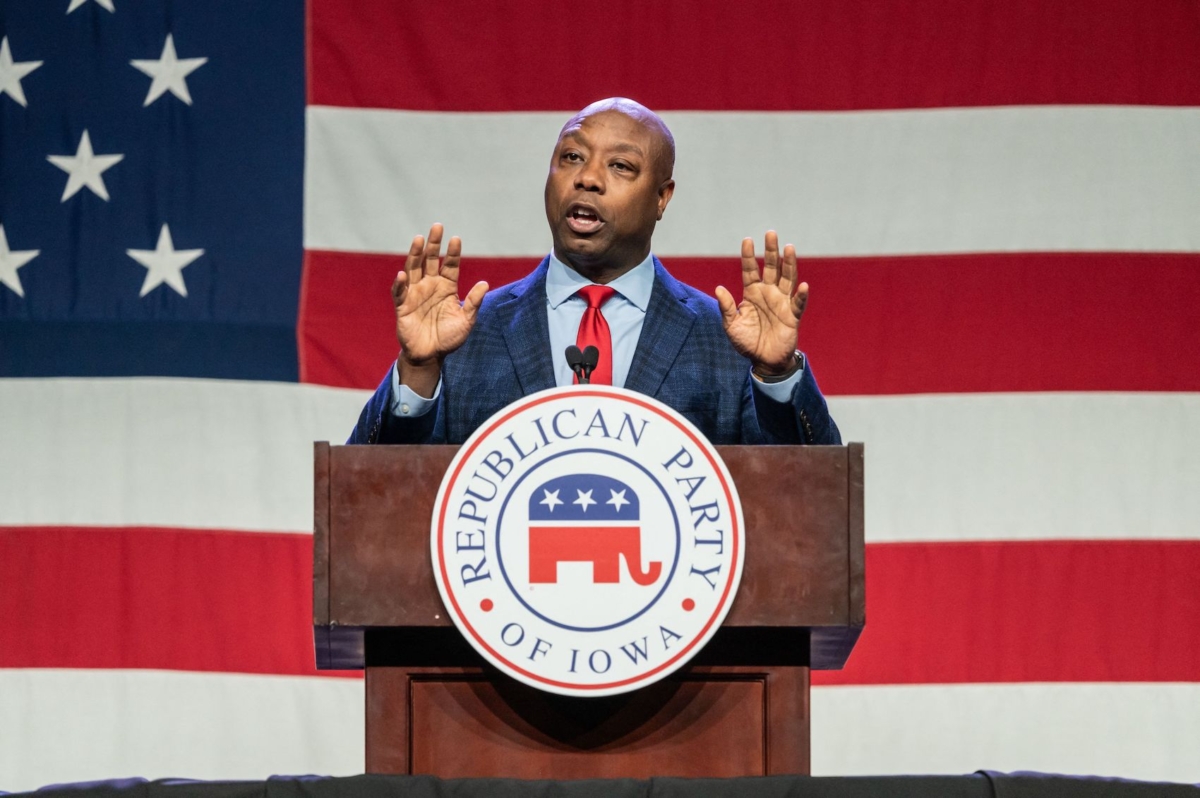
(585, 499)
(618, 499)
(551, 500)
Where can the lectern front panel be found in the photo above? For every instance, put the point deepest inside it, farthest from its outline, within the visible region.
(706, 722)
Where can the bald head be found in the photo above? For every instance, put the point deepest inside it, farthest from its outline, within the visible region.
(663, 153)
(608, 185)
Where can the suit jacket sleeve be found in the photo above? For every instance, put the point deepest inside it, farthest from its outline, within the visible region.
(377, 423)
(804, 419)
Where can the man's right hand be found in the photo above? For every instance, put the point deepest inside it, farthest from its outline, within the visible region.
(430, 321)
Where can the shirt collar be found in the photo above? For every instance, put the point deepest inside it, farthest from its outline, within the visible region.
(635, 285)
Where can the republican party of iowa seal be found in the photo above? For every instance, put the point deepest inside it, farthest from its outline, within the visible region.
(588, 540)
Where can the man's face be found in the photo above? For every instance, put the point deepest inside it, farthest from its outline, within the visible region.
(605, 191)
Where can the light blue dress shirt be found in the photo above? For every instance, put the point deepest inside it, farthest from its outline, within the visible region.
(625, 312)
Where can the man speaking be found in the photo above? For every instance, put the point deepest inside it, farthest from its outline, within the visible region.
(733, 370)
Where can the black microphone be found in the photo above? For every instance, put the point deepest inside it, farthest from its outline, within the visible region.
(575, 359)
(591, 356)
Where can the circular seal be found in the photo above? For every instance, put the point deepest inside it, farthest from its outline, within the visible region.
(587, 540)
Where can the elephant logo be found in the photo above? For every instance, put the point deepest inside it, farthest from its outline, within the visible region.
(587, 518)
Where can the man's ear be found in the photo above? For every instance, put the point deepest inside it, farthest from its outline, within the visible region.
(665, 192)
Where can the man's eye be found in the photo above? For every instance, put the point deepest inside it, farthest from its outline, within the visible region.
(572, 156)
(621, 167)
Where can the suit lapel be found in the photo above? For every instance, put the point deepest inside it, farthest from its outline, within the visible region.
(527, 333)
(668, 322)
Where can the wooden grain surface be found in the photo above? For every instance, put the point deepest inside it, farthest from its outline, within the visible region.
(706, 722)
(802, 507)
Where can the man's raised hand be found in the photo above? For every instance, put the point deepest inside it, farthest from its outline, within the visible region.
(764, 327)
(430, 321)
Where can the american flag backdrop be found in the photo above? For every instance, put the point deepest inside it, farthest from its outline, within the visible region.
(202, 205)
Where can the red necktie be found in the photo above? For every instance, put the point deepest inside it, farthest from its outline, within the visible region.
(593, 331)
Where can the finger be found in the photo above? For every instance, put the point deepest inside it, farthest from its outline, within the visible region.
(412, 264)
(474, 300)
(750, 274)
(399, 288)
(453, 257)
(771, 258)
(729, 311)
(433, 250)
(787, 275)
(800, 301)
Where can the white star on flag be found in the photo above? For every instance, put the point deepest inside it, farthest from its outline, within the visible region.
(85, 169)
(585, 499)
(11, 73)
(618, 499)
(169, 73)
(164, 263)
(551, 499)
(107, 4)
(11, 261)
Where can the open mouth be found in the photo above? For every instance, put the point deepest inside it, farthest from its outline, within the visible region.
(583, 219)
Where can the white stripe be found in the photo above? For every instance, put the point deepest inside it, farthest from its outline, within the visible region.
(879, 182)
(83, 725)
(182, 453)
(1136, 731)
(1028, 466)
(238, 455)
(80, 725)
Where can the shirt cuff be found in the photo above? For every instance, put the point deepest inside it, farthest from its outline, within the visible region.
(780, 391)
(406, 403)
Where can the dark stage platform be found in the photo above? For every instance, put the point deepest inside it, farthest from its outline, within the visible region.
(983, 784)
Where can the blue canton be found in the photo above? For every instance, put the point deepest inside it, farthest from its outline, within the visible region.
(151, 187)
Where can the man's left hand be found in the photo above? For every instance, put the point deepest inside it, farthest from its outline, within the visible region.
(765, 326)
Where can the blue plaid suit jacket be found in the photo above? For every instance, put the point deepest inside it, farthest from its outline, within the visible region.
(683, 359)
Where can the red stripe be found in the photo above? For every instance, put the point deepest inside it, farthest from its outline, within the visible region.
(346, 326)
(156, 598)
(895, 325)
(1053, 611)
(460, 55)
(936, 612)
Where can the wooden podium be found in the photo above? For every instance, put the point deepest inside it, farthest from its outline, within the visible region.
(739, 709)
